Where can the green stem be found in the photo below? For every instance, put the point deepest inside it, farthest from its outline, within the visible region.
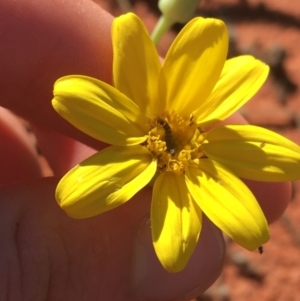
(161, 27)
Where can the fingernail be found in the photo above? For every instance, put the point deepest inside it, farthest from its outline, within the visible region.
(152, 282)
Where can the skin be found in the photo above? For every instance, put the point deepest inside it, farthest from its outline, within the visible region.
(46, 255)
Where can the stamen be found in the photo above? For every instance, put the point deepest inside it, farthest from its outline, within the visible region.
(175, 142)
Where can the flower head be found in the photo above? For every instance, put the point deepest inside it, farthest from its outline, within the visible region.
(173, 11)
(156, 117)
(180, 11)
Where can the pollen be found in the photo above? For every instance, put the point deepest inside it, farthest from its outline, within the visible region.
(175, 142)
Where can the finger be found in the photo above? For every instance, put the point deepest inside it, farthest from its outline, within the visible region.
(18, 156)
(43, 41)
(62, 152)
(54, 257)
(272, 197)
(152, 282)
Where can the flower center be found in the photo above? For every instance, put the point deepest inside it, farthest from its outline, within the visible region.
(175, 142)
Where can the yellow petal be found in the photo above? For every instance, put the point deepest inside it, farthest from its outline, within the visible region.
(240, 79)
(254, 153)
(136, 63)
(228, 203)
(175, 221)
(105, 181)
(193, 64)
(99, 110)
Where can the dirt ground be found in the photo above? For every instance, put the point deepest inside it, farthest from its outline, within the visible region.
(270, 30)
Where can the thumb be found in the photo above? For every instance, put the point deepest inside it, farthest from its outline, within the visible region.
(109, 257)
(44, 40)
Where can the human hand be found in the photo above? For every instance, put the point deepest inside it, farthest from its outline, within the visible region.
(46, 254)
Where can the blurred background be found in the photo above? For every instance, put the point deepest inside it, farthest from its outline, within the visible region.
(269, 30)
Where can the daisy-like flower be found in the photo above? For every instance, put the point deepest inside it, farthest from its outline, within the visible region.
(156, 118)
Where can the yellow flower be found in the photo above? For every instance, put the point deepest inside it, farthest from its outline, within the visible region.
(155, 117)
